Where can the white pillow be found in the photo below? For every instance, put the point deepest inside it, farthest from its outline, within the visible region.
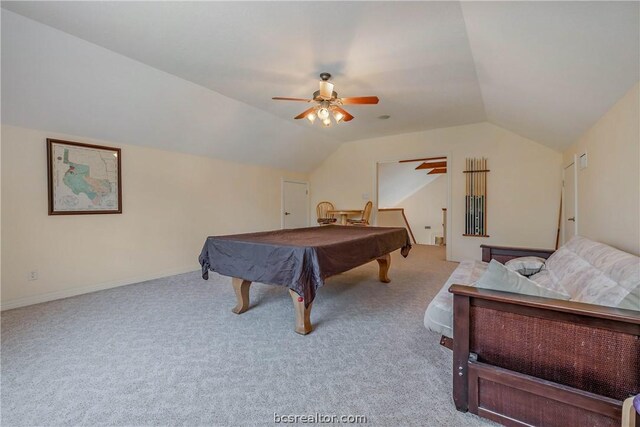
(526, 265)
(499, 278)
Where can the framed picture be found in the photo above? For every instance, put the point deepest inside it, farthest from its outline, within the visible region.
(83, 178)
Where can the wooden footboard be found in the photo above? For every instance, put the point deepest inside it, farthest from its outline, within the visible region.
(506, 253)
(523, 360)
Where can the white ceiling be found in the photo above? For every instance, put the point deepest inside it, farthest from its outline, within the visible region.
(549, 70)
(59, 83)
(545, 70)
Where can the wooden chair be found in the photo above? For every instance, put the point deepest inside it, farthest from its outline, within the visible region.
(325, 218)
(366, 214)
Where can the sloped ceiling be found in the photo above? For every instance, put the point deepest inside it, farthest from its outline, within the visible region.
(545, 70)
(549, 70)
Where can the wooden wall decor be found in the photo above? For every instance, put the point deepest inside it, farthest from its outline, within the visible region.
(476, 198)
(432, 165)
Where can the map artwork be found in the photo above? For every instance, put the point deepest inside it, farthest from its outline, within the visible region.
(83, 178)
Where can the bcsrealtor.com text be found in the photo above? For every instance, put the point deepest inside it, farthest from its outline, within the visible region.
(318, 418)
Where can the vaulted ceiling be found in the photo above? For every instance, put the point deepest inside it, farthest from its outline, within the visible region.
(545, 70)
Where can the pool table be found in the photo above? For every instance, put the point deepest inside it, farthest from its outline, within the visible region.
(300, 259)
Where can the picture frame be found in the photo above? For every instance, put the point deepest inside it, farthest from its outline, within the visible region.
(83, 178)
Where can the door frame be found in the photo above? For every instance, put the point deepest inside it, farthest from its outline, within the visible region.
(292, 181)
(448, 156)
(574, 162)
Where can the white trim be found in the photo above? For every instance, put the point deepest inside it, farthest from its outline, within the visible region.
(448, 240)
(575, 197)
(51, 296)
(575, 194)
(448, 156)
(293, 181)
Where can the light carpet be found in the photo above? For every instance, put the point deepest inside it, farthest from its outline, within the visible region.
(171, 352)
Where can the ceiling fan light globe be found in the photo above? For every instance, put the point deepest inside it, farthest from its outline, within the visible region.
(323, 113)
(311, 117)
(338, 116)
(326, 122)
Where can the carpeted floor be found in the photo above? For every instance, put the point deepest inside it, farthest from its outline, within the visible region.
(171, 352)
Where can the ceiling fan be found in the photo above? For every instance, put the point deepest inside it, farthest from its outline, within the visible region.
(328, 103)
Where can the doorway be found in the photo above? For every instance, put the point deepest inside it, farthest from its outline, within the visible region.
(414, 193)
(570, 201)
(295, 204)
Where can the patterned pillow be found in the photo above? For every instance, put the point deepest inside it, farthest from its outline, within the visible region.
(593, 272)
(526, 265)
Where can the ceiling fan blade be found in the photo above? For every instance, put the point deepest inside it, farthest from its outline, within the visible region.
(360, 100)
(304, 113)
(347, 117)
(281, 98)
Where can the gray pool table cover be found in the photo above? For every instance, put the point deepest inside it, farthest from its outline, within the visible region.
(300, 258)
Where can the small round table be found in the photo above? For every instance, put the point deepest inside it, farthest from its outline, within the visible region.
(344, 214)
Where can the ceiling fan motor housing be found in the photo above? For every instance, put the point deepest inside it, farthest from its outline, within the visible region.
(317, 97)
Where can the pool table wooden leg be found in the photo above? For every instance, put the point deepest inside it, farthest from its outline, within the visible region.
(303, 314)
(242, 294)
(384, 262)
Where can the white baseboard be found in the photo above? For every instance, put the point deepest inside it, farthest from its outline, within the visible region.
(51, 296)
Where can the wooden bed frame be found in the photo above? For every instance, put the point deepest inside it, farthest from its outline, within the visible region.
(522, 360)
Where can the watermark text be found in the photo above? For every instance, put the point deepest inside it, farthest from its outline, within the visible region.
(318, 418)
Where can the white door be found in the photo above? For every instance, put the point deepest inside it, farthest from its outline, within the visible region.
(295, 204)
(570, 202)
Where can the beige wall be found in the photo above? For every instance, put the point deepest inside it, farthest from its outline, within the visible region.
(422, 208)
(523, 185)
(171, 202)
(609, 188)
